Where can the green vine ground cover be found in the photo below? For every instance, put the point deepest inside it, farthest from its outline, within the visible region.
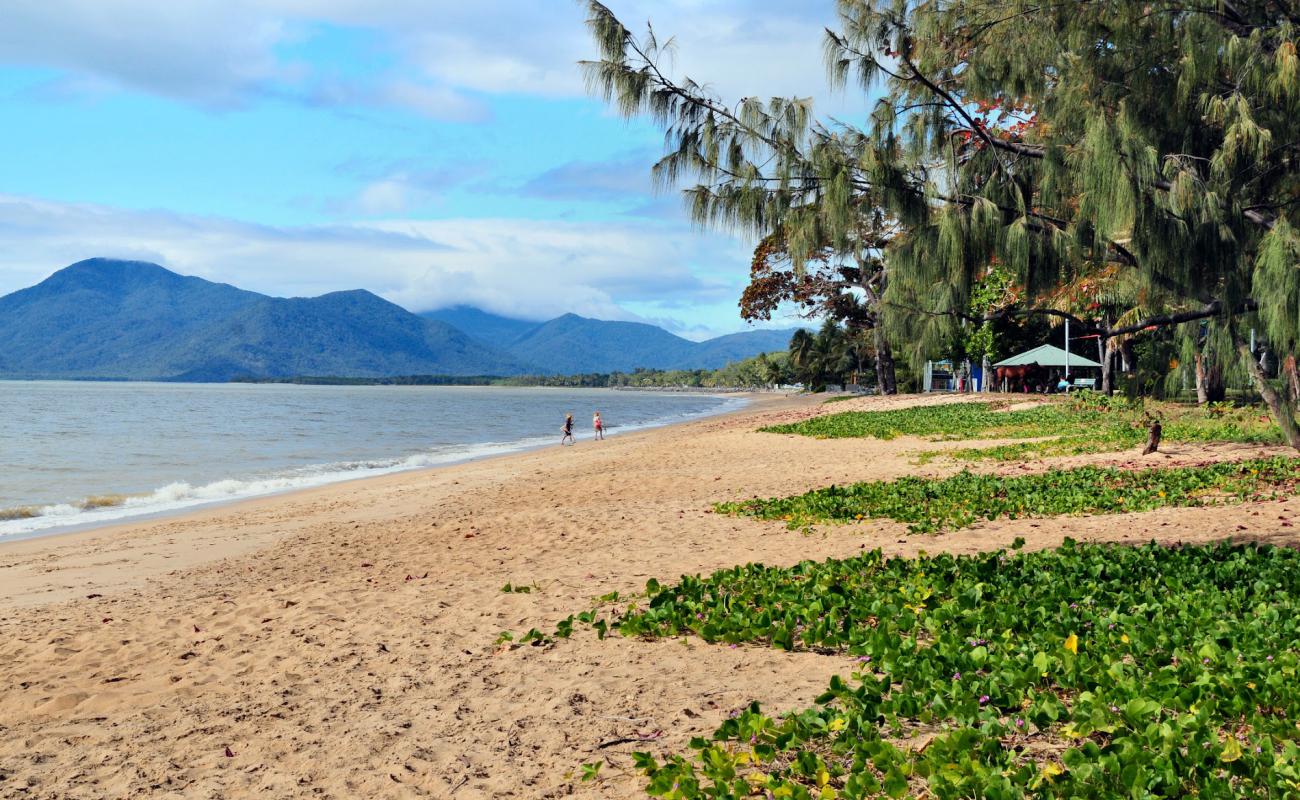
(1086, 671)
(1083, 423)
(930, 505)
(951, 421)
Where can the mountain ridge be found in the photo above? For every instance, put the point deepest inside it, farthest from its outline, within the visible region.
(573, 344)
(113, 319)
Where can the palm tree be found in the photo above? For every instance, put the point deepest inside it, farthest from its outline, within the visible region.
(803, 349)
(856, 352)
(829, 350)
(774, 373)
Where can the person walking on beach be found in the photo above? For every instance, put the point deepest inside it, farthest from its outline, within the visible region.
(599, 425)
(567, 430)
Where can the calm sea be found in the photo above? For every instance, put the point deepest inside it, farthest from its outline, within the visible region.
(75, 454)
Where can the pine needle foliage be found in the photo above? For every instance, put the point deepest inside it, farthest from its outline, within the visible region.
(1058, 139)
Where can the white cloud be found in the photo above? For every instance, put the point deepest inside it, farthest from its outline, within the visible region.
(433, 101)
(388, 196)
(224, 52)
(624, 177)
(529, 268)
(544, 268)
(213, 53)
(481, 64)
(394, 186)
(428, 100)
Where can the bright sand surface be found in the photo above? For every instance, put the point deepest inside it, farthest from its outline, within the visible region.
(340, 642)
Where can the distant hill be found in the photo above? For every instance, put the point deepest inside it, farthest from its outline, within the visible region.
(740, 346)
(571, 344)
(485, 327)
(133, 320)
(103, 318)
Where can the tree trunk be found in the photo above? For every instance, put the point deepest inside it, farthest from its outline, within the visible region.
(884, 363)
(1153, 438)
(1209, 381)
(885, 379)
(1281, 407)
(1292, 378)
(1108, 368)
(1215, 389)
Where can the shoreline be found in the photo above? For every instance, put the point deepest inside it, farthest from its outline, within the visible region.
(123, 514)
(112, 531)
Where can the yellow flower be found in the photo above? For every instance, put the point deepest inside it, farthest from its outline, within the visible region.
(1231, 750)
(1123, 637)
(1072, 644)
(1051, 770)
(837, 724)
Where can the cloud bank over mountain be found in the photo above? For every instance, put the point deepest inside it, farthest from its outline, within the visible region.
(509, 266)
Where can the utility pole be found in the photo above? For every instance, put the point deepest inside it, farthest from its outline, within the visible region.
(1067, 347)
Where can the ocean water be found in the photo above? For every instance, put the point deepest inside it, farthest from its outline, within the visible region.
(77, 453)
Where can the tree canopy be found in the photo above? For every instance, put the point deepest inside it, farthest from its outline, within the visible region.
(1149, 146)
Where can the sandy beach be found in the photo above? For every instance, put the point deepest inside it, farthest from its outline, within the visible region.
(341, 642)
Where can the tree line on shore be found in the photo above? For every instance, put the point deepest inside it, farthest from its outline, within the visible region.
(765, 370)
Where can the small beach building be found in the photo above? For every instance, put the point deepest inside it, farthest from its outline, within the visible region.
(945, 376)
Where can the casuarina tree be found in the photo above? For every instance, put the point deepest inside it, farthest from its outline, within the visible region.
(1155, 140)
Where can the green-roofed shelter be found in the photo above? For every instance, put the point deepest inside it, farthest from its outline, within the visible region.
(1048, 356)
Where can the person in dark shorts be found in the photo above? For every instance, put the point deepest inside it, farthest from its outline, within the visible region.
(567, 430)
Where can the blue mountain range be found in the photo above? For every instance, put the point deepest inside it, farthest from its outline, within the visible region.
(571, 344)
(111, 319)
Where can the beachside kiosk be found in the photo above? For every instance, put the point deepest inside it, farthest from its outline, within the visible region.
(1036, 367)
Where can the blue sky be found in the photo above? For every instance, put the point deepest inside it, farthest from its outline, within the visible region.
(433, 152)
